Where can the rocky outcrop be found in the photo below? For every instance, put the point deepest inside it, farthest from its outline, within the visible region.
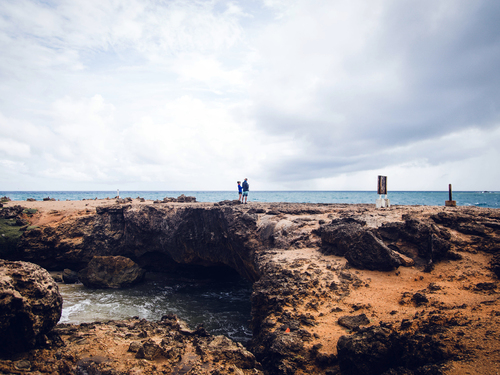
(358, 244)
(168, 235)
(135, 346)
(30, 305)
(11, 212)
(154, 236)
(111, 272)
(376, 350)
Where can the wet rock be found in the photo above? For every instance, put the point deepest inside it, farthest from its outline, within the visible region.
(30, 305)
(111, 272)
(69, 276)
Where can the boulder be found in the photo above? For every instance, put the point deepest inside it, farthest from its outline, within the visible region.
(370, 252)
(69, 276)
(30, 305)
(428, 241)
(336, 238)
(376, 350)
(363, 249)
(182, 198)
(111, 272)
(11, 212)
(368, 352)
(353, 322)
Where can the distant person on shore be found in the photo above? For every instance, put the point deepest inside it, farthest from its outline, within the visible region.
(246, 188)
(240, 191)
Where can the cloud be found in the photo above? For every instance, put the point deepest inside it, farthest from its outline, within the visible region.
(14, 149)
(368, 84)
(292, 94)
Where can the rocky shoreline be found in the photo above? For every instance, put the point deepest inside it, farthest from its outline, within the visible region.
(338, 289)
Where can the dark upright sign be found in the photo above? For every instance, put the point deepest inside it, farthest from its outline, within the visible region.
(382, 185)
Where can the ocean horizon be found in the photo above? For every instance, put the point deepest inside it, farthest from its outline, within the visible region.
(489, 199)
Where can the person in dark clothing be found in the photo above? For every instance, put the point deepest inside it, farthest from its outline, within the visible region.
(246, 188)
(240, 191)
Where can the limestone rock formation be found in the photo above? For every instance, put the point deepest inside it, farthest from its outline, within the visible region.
(157, 237)
(30, 305)
(376, 350)
(111, 272)
(360, 245)
(153, 348)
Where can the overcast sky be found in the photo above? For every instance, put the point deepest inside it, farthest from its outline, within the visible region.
(294, 95)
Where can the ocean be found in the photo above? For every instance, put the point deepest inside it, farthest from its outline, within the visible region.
(429, 198)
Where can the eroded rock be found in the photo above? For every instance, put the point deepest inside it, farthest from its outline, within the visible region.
(111, 272)
(30, 305)
(376, 350)
(352, 239)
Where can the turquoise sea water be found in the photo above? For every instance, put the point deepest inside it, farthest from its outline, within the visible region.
(432, 198)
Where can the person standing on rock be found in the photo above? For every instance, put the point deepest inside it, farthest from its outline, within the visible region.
(246, 188)
(240, 191)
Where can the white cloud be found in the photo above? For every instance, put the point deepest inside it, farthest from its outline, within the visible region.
(292, 94)
(14, 149)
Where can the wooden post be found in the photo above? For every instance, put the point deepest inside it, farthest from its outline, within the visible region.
(450, 202)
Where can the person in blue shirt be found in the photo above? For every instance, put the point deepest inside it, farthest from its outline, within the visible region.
(240, 190)
(246, 188)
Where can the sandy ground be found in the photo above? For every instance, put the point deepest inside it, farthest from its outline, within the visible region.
(55, 212)
(382, 296)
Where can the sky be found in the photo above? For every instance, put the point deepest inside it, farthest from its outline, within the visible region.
(291, 94)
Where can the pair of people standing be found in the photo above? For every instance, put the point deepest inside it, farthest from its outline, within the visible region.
(243, 191)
